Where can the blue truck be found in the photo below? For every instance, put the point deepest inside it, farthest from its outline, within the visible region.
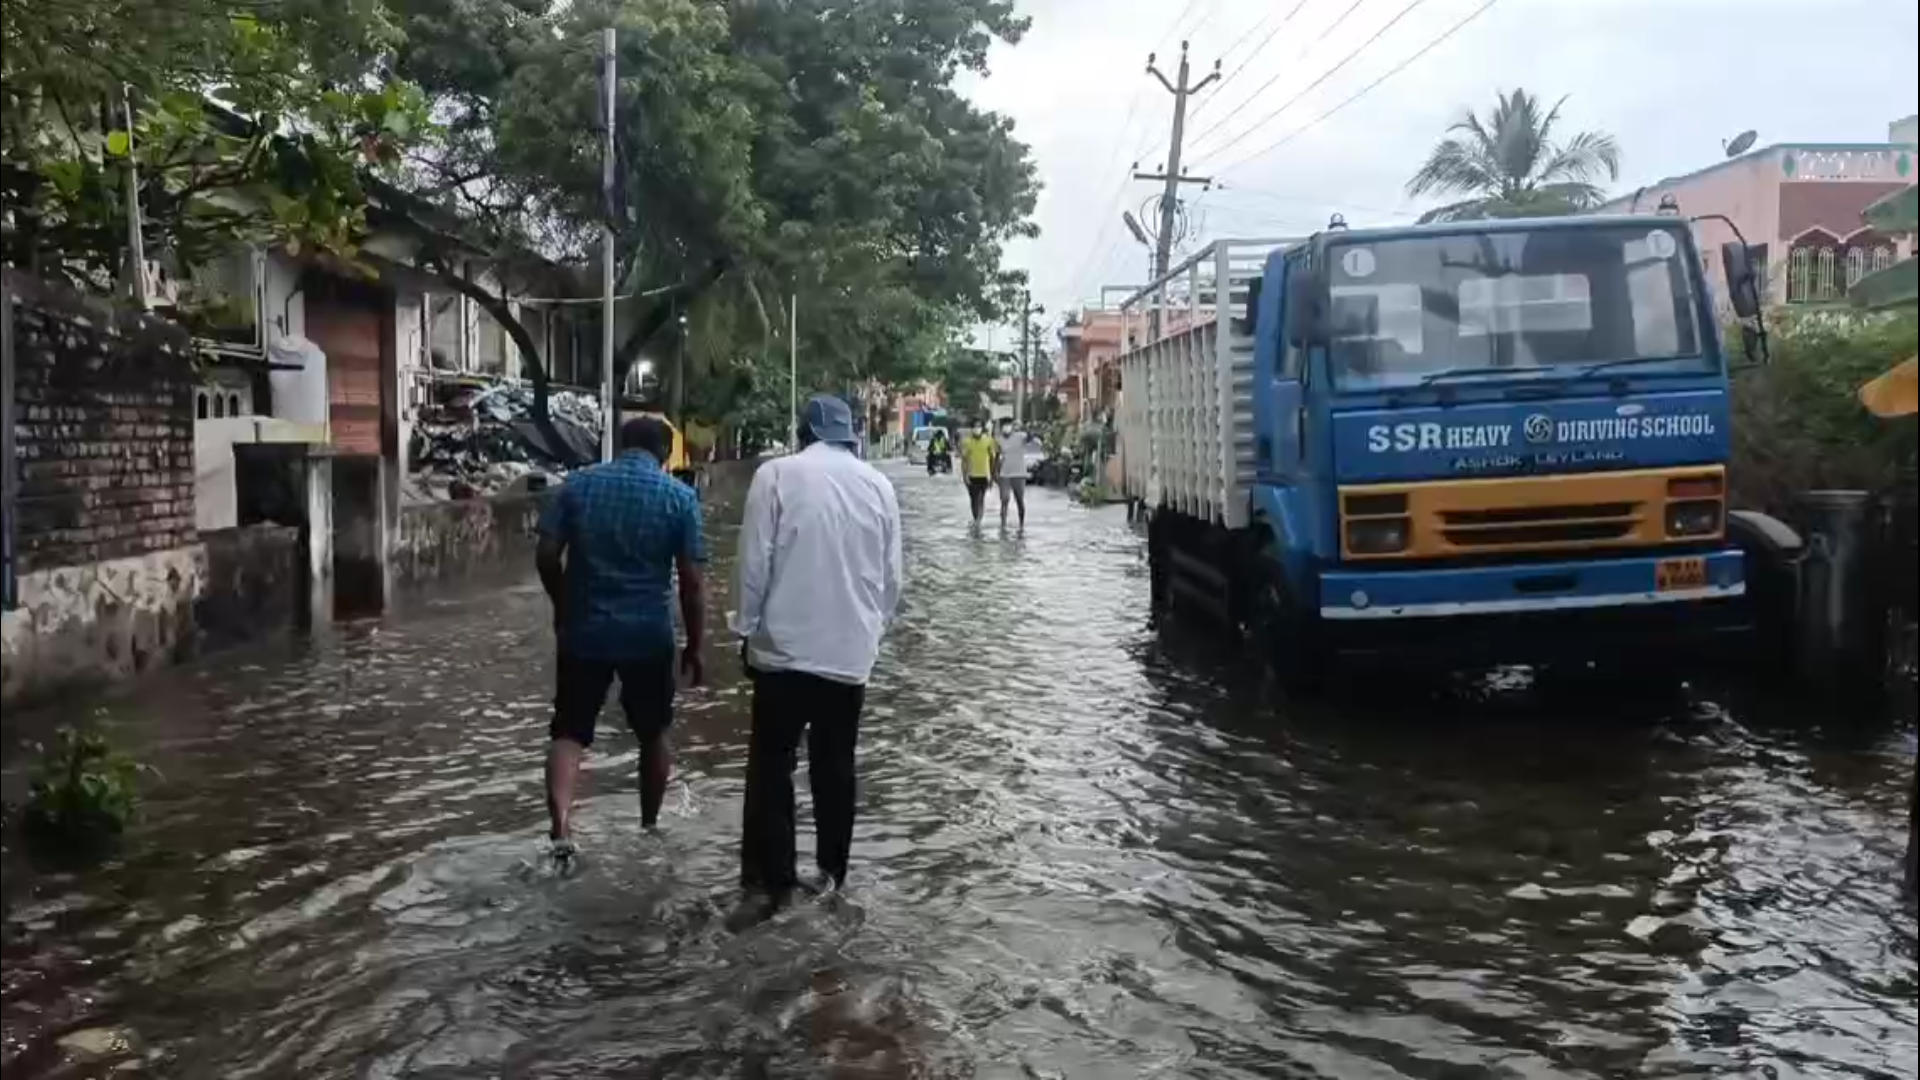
(1466, 444)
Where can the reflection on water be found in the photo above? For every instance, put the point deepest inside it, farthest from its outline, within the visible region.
(1086, 850)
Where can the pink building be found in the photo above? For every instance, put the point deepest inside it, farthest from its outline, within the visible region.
(1798, 205)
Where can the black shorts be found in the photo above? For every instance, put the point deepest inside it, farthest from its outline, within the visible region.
(978, 485)
(646, 695)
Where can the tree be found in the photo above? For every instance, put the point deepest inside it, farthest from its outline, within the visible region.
(1511, 166)
(763, 151)
(966, 379)
(249, 123)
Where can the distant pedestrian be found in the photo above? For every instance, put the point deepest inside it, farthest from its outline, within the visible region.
(611, 544)
(976, 456)
(1010, 469)
(819, 577)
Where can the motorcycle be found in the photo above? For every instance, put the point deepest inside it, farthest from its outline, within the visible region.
(939, 461)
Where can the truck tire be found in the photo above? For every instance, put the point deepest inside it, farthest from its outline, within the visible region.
(1157, 559)
(1283, 633)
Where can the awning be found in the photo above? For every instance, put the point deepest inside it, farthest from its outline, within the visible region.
(1893, 393)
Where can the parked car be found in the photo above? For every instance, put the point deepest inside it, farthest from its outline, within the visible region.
(917, 445)
(1036, 457)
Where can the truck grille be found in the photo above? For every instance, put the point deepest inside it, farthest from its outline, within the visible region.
(1636, 508)
(1530, 525)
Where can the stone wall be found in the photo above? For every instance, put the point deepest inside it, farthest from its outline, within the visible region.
(254, 585)
(107, 560)
(444, 543)
(77, 627)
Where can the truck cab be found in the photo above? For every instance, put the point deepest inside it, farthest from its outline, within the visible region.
(1482, 442)
(1511, 433)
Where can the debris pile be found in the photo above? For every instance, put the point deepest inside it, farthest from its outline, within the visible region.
(478, 437)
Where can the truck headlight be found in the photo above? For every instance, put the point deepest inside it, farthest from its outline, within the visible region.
(1378, 536)
(1697, 518)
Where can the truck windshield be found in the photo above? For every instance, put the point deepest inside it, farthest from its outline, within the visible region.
(1535, 304)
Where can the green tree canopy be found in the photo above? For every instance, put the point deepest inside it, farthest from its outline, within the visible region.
(764, 151)
(249, 122)
(1510, 164)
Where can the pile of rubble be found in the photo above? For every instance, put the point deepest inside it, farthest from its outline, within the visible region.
(480, 438)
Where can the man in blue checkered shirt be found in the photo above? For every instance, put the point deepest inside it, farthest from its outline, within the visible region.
(611, 544)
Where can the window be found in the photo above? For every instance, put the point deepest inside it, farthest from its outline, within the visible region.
(1799, 275)
(489, 344)
(1404, 309)
(1825, 278)
(1856, 265)
(443, 331)
(1882, 258)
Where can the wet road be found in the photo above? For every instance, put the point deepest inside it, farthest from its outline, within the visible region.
(1085, 850)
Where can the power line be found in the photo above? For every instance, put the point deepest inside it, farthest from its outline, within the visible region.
(1242, 66)
(1330, 72)
(1255, 96)
(1367, 89)
(1113, 200)
(1297, 200)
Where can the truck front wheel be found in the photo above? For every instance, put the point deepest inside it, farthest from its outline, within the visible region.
(1281, 629)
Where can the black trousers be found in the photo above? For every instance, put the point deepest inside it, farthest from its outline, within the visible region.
(786, 704)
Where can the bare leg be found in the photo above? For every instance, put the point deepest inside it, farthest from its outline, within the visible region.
(656, 765)
(1019, 500)
(563, 775)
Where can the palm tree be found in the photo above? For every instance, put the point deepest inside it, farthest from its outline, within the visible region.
(1512, 167)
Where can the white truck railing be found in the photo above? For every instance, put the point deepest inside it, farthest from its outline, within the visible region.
(1186, 385)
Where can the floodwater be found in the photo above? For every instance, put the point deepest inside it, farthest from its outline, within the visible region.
(1087, 849)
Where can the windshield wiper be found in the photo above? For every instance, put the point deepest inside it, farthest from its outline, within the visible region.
(1467, 373)
(1604, 365)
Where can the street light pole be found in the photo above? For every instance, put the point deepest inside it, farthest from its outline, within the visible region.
(793, 373)
(609, 401)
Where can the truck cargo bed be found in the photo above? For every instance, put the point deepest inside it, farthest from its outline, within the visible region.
(1186, 408)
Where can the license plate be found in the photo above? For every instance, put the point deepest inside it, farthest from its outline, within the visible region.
(1674, 575)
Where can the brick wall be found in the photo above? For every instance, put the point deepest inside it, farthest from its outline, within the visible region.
(103, 401)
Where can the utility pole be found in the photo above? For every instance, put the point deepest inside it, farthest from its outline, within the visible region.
(1170, 197)
(1026, 344)
(609, 400)
(793, 373)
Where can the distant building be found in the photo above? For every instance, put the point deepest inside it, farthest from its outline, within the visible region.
(1798, 205)
(1091, 344)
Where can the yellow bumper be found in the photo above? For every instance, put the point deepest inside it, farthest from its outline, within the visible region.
(1588, 511)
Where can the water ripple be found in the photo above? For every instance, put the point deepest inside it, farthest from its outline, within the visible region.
(1086, 849)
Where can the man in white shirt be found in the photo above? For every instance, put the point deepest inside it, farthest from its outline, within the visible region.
(1010, 457)
(819, 577)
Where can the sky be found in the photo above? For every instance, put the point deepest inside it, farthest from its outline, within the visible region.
(1328, 106)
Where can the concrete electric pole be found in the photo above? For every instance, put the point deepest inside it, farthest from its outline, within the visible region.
(1169, 198)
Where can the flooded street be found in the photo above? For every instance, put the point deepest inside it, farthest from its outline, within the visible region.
(1085, 850)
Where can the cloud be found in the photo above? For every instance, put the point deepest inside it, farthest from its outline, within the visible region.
(1669, 78)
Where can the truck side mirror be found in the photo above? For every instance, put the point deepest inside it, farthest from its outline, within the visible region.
(1753, 338)
(1306, 309)
(1743, 286)
(1253, 307)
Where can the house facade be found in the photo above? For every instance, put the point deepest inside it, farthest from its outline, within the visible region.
(1798, 205)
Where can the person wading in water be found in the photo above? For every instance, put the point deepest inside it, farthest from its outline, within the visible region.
(810, 618)
(611, 544)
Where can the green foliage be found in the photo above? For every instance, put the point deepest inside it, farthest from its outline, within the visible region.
(251, 123)
(1798, 424)
(966, 378)
(1511, 166)
(799, 148)
(83, 795)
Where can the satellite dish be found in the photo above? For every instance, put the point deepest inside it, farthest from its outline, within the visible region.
(1740, 143)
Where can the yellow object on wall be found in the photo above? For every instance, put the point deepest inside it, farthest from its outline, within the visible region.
(1893, 393)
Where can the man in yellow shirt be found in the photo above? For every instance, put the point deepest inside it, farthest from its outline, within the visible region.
(976, 456)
